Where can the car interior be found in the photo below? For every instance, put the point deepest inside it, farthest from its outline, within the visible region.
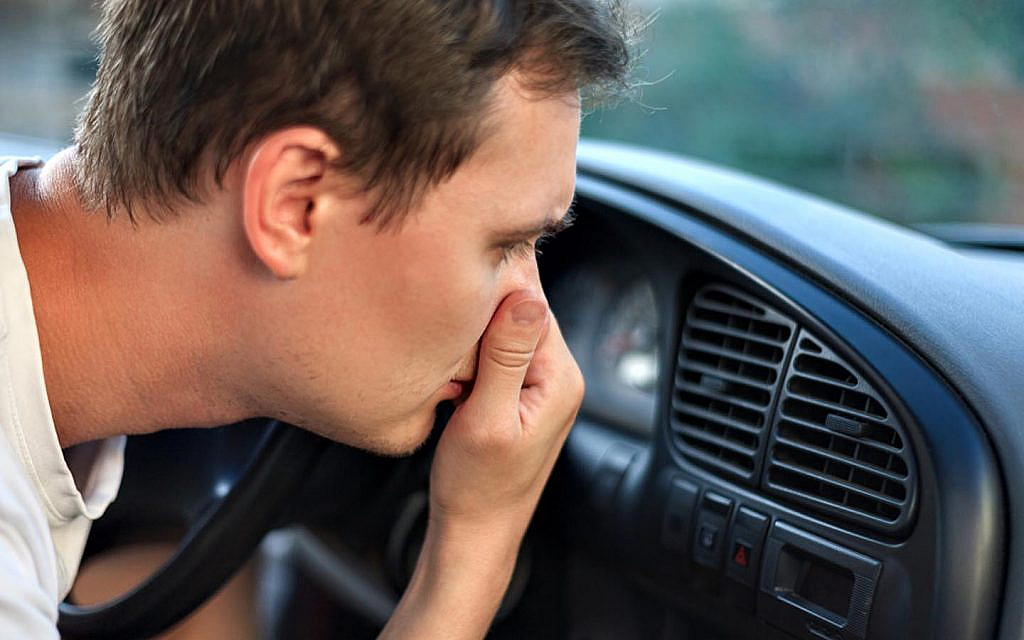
(800, 422)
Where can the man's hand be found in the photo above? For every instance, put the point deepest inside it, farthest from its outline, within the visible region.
(498, 448)
(490, 467)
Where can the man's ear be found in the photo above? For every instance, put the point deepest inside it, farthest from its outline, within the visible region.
(285, 184)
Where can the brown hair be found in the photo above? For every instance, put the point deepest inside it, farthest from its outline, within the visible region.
(401, 86)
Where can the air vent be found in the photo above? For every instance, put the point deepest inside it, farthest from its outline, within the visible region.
(729, 370)
(836, 445)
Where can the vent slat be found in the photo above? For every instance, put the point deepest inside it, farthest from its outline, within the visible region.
(759, 328)
(815, 413)
(762, 373)
(829, 408)
(741, 465)
(727, 308)
(723, 397)
(716, 440)
(839, 509)
(869, 468)
(725, 353)
(733, 333)
(877, 447)
(760, 353)
(826, 381)
(824, 370)
(733, 377)
(849, 399)
(730, 298)
(752, 418)
(840, 472)
(724, 419)
(839, 484)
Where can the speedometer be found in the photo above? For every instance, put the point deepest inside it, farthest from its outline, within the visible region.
(626, 351)
(628, 342)
(609, 315)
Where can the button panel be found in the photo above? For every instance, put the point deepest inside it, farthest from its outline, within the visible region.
(763, 567)
(712, 522)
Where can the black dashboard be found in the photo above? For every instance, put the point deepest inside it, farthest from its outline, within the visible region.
(756, 448)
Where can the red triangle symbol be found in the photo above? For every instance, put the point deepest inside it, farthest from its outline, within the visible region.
(740, 557)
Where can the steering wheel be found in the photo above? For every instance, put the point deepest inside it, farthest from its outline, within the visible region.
(216, 545)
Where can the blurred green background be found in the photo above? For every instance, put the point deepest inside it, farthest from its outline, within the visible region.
(909, 109)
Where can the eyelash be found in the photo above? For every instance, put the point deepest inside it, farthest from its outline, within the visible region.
(523, 249)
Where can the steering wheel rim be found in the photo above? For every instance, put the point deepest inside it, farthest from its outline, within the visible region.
(213, 549)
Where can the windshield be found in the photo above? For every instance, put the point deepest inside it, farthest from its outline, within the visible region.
(911, 110)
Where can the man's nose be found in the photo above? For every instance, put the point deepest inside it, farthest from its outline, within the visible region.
(526, 275)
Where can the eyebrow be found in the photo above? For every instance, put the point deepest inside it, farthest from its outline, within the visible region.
(547, 228)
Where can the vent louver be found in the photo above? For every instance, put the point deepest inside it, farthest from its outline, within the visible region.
(836, 446)
(729, 370)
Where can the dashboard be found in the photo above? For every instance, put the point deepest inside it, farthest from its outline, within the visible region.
(758, 450)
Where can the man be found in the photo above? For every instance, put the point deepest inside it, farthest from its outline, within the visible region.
(267, 198)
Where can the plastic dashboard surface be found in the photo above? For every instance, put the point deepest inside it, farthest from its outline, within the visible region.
(741, 524)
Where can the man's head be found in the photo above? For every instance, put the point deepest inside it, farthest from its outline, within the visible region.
(282, 127)
(403, 87)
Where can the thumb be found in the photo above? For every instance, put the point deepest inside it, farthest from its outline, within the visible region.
(507, 349)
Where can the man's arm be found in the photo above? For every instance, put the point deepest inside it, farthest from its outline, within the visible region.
(490, 467)
(457, 585)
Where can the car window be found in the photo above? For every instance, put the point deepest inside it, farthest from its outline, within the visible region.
(48, 63)
(911, 110)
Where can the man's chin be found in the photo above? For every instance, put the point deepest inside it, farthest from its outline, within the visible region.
(394, 439)
(391, 449)
(399, 440)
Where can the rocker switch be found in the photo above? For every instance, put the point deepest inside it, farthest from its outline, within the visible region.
(678, 520)
(712, 521)
(745, 544)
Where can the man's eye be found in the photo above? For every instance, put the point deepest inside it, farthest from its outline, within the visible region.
(523, 249)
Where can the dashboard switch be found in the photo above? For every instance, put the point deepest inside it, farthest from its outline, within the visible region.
(708, 537)
(678, 520)
(741, 555)
(745, 543)
(712, 521)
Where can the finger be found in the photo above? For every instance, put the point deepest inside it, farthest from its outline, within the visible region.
(506, 350)
(550, 354)
(553, 384)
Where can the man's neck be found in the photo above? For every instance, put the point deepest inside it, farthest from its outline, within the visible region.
(118, 309)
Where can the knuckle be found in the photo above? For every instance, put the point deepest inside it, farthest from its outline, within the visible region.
(491, 440)
(579, 384)
(511, 357)
(575, 385)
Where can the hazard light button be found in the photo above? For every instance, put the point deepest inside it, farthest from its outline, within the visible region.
(741, 555)
(746, 541)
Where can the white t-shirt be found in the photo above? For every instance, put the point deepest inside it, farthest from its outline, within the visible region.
(45, 510)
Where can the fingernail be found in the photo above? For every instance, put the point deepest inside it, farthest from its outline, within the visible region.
(529, 312)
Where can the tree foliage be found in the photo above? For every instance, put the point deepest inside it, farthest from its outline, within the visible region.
(904, 109)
